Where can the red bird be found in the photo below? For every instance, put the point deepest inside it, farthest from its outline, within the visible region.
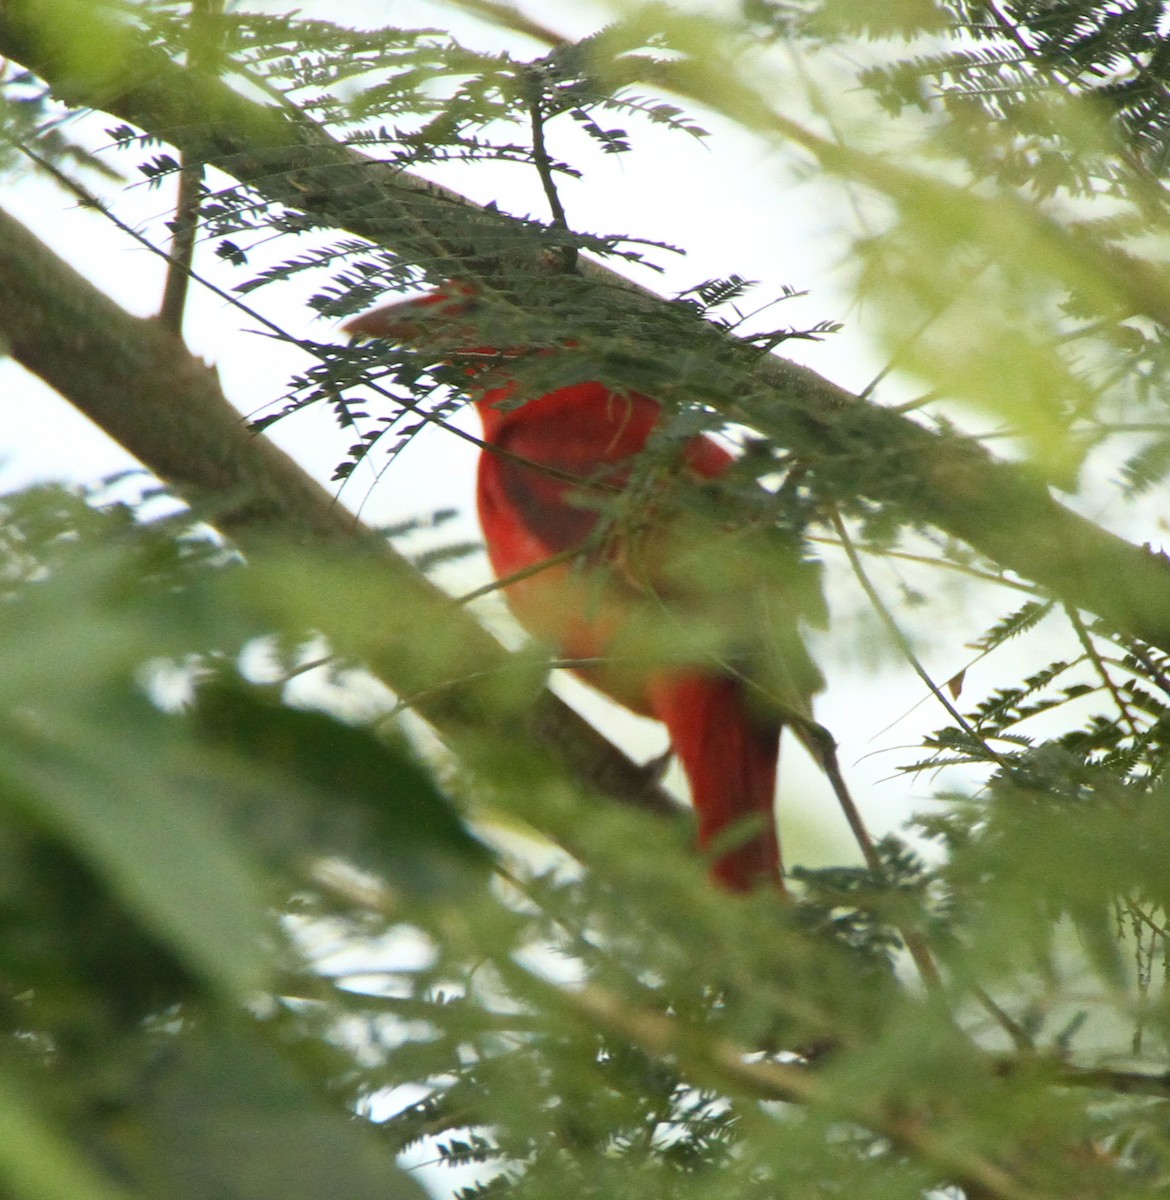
(559, 458)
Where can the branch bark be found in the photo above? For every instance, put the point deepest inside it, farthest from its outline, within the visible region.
(936, 479)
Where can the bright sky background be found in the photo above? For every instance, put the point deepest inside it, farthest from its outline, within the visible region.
(734, 204)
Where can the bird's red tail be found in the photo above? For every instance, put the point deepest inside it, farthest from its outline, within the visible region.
(729, 754)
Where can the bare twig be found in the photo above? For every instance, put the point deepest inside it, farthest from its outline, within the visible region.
(202, 55)
(540, 153)
(902, 642)
(1102, 670)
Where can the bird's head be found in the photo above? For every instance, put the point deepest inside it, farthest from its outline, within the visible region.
(455, 325)
(440, 315)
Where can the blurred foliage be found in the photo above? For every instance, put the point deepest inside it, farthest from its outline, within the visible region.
(238, 913)
(228, 920)
(149, 848)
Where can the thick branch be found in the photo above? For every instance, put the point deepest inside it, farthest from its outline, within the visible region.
(940, 480)
(138, 382)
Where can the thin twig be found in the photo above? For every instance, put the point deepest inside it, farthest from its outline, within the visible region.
(496, 585)
(914, 942)
(540, 154)
(567, 253)
(185, 226)
(1013, 1030)
(903, 643)
(1095, 658)
(507, 16)
(91, 200)
(202, 54)
(941, 564)
(1019, 1035)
